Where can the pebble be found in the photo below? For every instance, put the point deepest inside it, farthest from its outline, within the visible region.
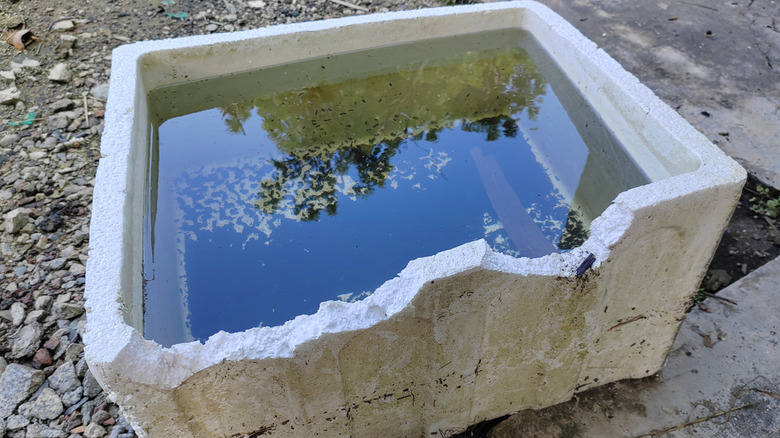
(47, 406)
(94, 430)
(67, 310)
(91, 386)
(17, 314)
(62, 105)
(68, 41)
(718, 279)
(60, 73)
(16, 384)
(35, 316)
(42, 431)
(8, 140)
(42, 358)
(16, 422)
(100, 416)
(64, 379)
(7, 78)
(26, 340)
(62, 26)
(100, 91)
(16, 219)
(72, 397)
(77, 269)
(25, 63)
(10, 96)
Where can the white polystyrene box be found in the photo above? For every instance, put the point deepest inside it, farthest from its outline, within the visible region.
(420, 356)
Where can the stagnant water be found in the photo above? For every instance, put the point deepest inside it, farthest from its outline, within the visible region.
(275, 190)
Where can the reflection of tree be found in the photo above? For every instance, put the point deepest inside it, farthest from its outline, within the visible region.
(325, 130)
(575, 233)
(310, 179)
(492, 127)
(236, 114)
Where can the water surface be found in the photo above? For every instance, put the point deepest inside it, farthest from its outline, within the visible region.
(275, 190)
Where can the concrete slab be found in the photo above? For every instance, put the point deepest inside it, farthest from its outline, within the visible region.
(725, 357)
(716, 63)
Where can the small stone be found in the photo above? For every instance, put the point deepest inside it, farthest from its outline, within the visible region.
(16, 384)
(74, 351)
(42, 243)
(43, 302)
(16, 422)
(7, 77)
(64, 378)
(47, 406)
(15, 220)
(100, 416)
(17, 314)
(94, 431)
(62, 105)
(100, 91)
(55, 264)
(67, 310)
(26, 63)
(91, 386)
(78, 430)
(81, 368)
(10, 96)
(68, 41)
(35, 316)
(62, 26)
(70, 253)
(717, 280)
(52, 343)
(42, 358)
(256, 4)
(211, 28)
(70, 398)
(26, 340)
(8, 140)
(77, 269)
(60, 73)
(11, 177)
(44, 431)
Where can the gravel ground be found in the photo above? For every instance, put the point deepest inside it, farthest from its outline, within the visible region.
(52, 99)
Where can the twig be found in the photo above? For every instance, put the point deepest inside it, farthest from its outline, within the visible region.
(350, 5)
(86, 112)
(769, 393)
(700, 5)
(698, 420)
(717, 297)
(53, 22)
(628, 321)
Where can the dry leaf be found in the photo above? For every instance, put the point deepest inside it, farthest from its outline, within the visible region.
(20, 39)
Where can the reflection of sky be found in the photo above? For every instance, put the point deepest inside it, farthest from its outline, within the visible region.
(243, 268)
